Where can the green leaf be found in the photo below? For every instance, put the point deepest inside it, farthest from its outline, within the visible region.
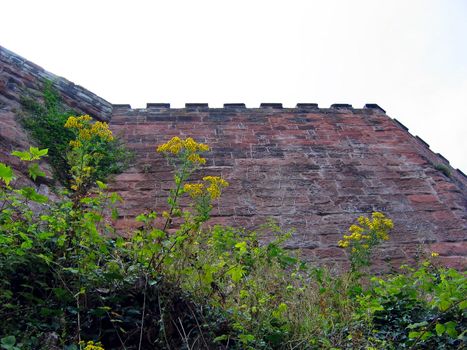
(45, 235)
(246, 338)
(38, 153)
(6, 173)
(242, 247)
(417, 325)
(444, 304)
(46, 258)
(281, 309)
(451, 329)
(220, 338)
(156, 234)
(413, 334)
(35, 171)
(141, 218)
(440, 329)
(426, 336)
(23, 155)
(33, 154)
(31, 194)
(101, 185)
(8, 342)
(114, 197)
(26, 245)
(236, 273)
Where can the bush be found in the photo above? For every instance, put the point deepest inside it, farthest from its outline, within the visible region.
(420, 308)
(45, 123)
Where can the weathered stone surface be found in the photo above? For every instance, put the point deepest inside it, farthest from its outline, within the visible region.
(311, 169)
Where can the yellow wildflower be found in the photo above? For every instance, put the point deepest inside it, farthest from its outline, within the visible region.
(376, 228)
(343, 243)
(215, 186)
(85, 117)
(356, 229)
(195, 158)
(190, 144)
(384, 236)
(361, 220)
(71, 122)
(90, 345)
(85, 134)
(87, 170)
(203, 147)
(77, 122)
(377, 215)
(193, 190)
(388, 223)
(102, 130)
(87, 130)
(75, 143)
(176, 145)
(434, 254)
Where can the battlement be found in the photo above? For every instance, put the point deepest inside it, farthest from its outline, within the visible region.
(267, 107)
(198, 112)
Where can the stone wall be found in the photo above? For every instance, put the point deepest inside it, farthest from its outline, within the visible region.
(311, 169)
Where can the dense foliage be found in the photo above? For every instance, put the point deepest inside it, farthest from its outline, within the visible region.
(68, 281)
(45, 121)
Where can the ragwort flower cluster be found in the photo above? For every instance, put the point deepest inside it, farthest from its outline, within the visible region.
(185, 156)
(91, 345)
(212, 188)
(82, 160)
(187, 149)
(216, 184)
(376, 230)
(86, 131)
(366, 235)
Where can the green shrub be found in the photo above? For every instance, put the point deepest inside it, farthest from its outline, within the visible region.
(45, 123)
(420, 308)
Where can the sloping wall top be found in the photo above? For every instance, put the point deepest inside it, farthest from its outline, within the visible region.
(19, 76)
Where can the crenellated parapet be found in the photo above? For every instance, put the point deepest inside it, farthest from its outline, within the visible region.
(164, 110)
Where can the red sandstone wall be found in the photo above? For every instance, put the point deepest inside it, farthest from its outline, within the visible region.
(311, 169)
(314, 170)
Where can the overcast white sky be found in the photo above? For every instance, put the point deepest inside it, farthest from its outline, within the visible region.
(410, 57)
